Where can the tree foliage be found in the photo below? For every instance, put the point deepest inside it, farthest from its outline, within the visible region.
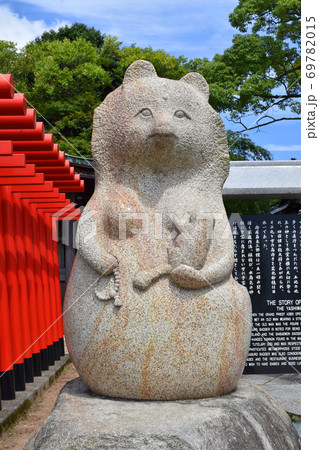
(8, 56)
(280, 18)
(64, 82)
(241, 148)
(115, 59)
(249, 206)
(67, 73)
(65, 79)
(75, 31)
(261, 69)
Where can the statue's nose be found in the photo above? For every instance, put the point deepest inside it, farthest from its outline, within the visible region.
(163, 128)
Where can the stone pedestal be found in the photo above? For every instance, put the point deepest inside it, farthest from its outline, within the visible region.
(248, 418)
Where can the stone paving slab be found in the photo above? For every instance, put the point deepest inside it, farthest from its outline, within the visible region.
(297, 426)
(12, 409)
(287, 395)
(260, 378)
(286, 388)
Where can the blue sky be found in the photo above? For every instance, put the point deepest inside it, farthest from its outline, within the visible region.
(195, 29)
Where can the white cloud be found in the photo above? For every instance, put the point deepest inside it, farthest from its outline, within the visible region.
(283, 148)
(193, 28)
(107, 8)
(21, 30)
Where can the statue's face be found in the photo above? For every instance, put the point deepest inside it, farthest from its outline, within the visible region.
(164, 124)
(152, 124)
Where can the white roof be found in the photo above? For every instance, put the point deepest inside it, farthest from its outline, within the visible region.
(263, 179)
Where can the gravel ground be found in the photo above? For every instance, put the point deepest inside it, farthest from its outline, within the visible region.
(19, 434)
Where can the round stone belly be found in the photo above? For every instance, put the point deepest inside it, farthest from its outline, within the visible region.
(165, 343)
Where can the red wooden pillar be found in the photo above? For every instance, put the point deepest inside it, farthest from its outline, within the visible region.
(13, 287)
(24, 291)
(56, 275)
(33, 288)
(43, 269)
(34, 259)
(31, 191)
(6, 354)
(47, 239)
(48, 329)
(12, 173)
(68, 212)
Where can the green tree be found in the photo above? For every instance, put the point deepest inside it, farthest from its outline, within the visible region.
(64, 82)
(65, 77)
(261, 69)
(280, 18)
(8, 56)
(75, 31)
(115, 58)
(249, 206)
(241, 148)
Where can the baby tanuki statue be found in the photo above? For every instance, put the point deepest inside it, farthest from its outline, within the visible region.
(151, 309)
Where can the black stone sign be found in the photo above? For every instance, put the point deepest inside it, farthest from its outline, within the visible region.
(267, 262)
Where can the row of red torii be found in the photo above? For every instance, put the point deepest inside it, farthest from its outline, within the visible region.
(34, 177)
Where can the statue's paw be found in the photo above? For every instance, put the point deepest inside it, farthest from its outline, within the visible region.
(188, 278)
(142, 280)
(103, 289)
(107, 288)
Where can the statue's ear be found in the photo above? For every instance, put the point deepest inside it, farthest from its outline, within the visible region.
(138, 70)
(198, 82)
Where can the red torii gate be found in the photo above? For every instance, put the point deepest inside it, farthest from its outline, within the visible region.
(34, 177)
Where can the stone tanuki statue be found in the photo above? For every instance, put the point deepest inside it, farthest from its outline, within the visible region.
(151, 309)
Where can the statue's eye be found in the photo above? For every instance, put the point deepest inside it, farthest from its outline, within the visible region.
(180, 114)
(146, 112)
